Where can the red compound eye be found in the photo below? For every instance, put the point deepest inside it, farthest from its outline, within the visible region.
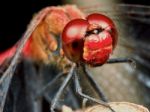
(91, 40)
(73, 39)
(105, 23)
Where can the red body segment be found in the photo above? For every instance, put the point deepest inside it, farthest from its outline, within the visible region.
(7, 54)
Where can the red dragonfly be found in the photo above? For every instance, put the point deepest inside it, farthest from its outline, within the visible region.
(45, 27)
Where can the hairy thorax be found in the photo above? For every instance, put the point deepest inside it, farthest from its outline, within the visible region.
(45, 43)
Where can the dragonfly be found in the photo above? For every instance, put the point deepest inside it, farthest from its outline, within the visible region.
(19, 47)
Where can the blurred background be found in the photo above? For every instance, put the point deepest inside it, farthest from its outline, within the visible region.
(120, 82)
(125, 82)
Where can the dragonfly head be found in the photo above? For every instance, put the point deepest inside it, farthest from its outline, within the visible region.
(90, 41)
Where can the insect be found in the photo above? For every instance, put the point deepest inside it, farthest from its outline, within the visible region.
(38, 25)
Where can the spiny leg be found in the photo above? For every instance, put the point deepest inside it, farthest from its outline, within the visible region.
(94, 84)
(79, 92)
(61, 89)
(49, 85)
(120, 60)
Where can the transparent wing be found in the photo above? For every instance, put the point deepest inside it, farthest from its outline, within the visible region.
(7, 75)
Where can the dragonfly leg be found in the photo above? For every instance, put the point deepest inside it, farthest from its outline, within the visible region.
(121, 60)
(94, 84)
(79, 92)
(61, 89)
(49, 85)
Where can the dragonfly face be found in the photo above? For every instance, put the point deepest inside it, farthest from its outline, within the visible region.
(91, 40)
